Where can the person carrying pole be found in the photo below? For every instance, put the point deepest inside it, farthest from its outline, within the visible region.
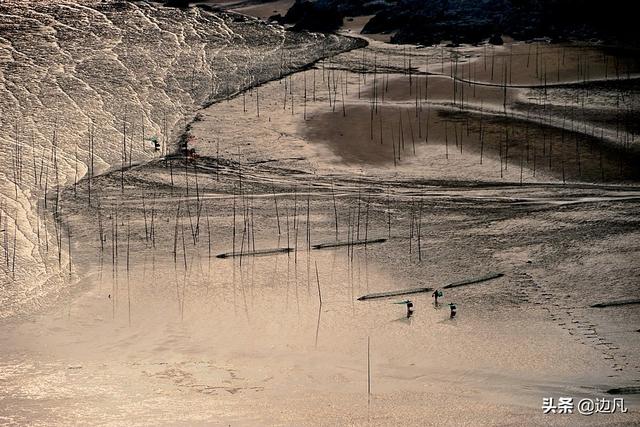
(436, 294)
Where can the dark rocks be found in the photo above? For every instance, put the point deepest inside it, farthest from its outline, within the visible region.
(429, 22)
(180, 4)
(327, 15)
(312, 16)
(496, 39)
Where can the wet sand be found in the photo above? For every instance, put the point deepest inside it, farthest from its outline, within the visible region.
(397, 132)
(541, 63)
(246, 341)
(160, 331)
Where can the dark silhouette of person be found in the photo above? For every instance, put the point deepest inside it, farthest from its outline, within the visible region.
(453, 307)
(409, 308)
(437, 293)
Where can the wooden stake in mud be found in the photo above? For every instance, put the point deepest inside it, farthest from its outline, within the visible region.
(132, 133)
(175, 237)
(128, 281)
(184, 248)
(318, 281)
(101, 232)
(600, 155)
(153, 226)
(308, 223)
(506, 147)
(534, 157)
(344, 111)
(413, 140)
(411, 225)
(258, 101)
(419, 231)
(358, 218)
(217, 160)
(13, 258)
(366, 223)
(426, 136)
(368, 371)
(124, 152)
(335, 209)
(233, 237)
(446, 141)
(481, 133)
(501, 159)
(578, 156)
(389, 212)
(91, 172)
(209, 238)
(75, 177)
(393, 144)
(275, 200)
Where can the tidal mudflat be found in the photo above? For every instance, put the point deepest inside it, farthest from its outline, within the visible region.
(192, 291)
